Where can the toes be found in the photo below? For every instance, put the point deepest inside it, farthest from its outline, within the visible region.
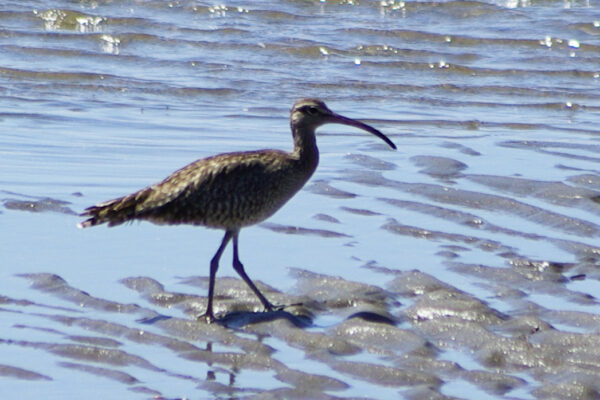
(209, 318)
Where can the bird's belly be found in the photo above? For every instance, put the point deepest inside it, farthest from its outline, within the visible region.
(239, 213)
(227, 211)
(232, 197)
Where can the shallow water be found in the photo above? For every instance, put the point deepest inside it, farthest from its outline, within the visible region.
(478, 237)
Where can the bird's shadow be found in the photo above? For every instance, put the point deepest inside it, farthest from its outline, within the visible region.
(239, 319)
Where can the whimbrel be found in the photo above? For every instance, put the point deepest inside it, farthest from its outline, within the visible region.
(232, 190)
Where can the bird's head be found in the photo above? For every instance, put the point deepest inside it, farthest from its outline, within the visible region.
(308, 114)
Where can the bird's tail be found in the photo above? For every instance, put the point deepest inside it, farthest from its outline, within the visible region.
(114, 212)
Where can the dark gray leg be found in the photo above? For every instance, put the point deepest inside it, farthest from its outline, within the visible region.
(239, 268)
(214, 266)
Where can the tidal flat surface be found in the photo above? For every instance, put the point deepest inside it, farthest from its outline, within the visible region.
(464, 265)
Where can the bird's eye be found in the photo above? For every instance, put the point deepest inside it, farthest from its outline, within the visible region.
(310, 110)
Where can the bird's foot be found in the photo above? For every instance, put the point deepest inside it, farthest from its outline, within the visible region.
(271, 307)
(207, 317)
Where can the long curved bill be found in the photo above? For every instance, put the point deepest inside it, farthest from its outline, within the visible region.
(340, 119)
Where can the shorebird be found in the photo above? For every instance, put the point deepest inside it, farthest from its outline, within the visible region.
(232, 190)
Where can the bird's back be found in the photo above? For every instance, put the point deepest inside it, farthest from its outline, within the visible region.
(227, 191)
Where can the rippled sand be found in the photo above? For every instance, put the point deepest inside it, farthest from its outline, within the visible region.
(394, 336)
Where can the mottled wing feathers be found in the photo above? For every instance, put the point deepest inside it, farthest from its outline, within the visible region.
(224, 190)
(115, 211)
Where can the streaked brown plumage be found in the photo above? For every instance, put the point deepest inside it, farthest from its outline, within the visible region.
(232, 190)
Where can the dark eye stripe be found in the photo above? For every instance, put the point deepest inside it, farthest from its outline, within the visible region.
(310, 110)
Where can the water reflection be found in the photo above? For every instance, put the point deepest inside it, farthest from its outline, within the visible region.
(56, 19)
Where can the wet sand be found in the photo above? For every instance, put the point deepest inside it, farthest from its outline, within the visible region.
(395, 336)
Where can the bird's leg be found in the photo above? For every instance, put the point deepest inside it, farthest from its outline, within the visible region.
(239, 268)
(214, 266)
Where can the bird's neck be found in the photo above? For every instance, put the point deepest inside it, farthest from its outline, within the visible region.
(305, 148)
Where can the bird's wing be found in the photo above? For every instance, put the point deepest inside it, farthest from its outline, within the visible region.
(213, 179)
(225, 173)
